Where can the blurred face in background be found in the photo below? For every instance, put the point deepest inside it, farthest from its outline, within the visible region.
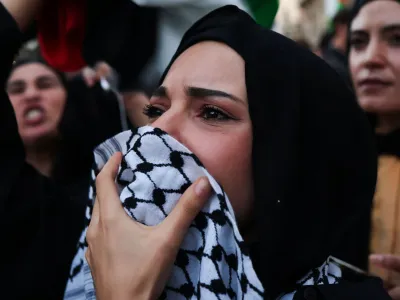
(38, 98)
(375, 56)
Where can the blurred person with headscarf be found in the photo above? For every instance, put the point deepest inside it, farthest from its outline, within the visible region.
(46, 158)
(374, 60)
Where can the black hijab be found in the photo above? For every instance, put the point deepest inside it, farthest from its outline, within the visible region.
(314, 160)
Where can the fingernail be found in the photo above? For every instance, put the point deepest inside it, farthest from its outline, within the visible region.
(376, 258)
(202, 186)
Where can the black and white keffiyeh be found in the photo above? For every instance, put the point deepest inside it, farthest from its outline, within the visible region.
(213, 262)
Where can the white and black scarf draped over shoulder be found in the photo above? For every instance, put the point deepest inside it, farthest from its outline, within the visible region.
(213, 262)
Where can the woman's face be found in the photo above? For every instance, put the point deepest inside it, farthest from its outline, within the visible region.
(38, 98)
(375, 56)
(203, 104)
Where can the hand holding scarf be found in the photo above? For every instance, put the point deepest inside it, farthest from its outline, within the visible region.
(118, 245)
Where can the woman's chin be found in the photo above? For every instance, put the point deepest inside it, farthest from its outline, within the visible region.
(35, 136)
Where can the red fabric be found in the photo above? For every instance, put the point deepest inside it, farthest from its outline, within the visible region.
(61, 32)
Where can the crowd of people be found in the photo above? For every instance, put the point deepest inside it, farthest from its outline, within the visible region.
(304, 142)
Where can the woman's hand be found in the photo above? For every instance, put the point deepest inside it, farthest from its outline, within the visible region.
(92, 75)
(389, 262)
(129, 260)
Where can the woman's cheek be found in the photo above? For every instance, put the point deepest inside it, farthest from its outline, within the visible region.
(228, 159)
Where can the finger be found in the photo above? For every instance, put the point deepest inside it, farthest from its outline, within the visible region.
(94, 220)
(107, 193)
(89, 76)
(87, 256)
(93, 225)
(103, 69)
(395, 293)
(189, 205)
(386, 261)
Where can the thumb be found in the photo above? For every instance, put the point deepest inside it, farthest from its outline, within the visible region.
(386, 261)
(102, 70)
(189, 205)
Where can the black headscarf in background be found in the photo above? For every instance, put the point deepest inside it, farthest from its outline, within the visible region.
(314, 160)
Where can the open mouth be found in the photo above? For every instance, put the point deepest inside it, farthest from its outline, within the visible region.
(34, 115)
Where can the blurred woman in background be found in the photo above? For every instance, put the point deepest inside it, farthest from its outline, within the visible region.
(374, 58)
(45, 161)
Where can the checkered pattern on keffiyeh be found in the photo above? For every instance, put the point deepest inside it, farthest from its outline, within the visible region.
(213, 262)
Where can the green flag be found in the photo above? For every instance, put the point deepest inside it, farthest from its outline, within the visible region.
(264, 11)
(340, 6)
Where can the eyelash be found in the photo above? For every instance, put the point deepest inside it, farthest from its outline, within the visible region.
(153, 112)
(357, 42)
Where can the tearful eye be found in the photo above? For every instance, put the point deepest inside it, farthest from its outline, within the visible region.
(152, 111)
(214, 113)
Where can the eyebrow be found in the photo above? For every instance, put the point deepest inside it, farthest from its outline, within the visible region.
(391, 27)
(384, 29)
(17, 82)
(197, 92)
(358, 31)
(160, 92)
(45, 78)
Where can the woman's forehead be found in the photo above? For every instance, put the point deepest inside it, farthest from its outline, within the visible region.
(376, 14)
(30, 71)
(208, 64)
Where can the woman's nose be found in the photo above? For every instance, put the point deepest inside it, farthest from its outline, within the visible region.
(375, 55)
(31, 94)
(171, 122)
